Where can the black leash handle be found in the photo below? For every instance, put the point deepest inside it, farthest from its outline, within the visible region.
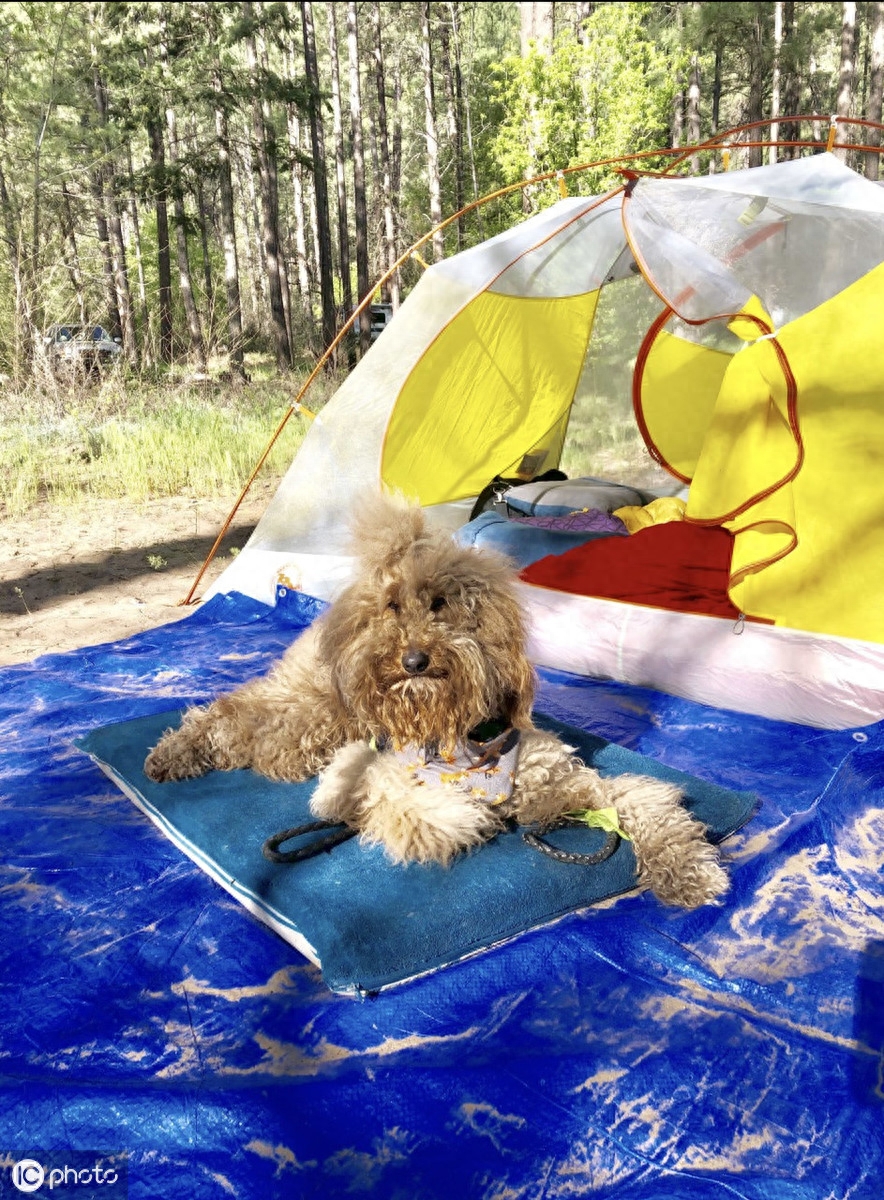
(311, 848)
(612, 841)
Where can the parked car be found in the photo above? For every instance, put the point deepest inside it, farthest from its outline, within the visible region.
(380, 316)
(81, 349)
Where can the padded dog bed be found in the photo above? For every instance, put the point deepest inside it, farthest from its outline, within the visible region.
(367, 923)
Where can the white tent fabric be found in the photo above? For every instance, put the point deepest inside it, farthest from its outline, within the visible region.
(689, 235)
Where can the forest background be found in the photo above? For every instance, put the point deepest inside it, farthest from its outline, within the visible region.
(221, 184)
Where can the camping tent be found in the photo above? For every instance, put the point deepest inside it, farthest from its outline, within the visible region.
(739, 313)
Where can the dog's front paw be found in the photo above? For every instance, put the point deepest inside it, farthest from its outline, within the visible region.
(417, 823)
(176, 757)
(341, 787)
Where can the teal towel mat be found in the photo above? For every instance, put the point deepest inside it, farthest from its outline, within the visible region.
(365, 922)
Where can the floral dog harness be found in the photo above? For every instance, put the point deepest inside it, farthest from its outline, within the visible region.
(481, 767)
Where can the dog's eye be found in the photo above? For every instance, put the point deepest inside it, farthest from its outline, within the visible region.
(393, 606)
(437, 602)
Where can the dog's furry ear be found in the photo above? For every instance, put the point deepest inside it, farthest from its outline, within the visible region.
(383, 528)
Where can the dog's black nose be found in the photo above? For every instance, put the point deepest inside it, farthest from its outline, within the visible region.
(415, 661)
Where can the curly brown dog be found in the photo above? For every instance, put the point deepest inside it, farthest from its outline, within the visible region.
(411, 697)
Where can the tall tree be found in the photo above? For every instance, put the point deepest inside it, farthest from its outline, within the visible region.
(228, 223)
(106, 202)
(453, 81)
(847, 64)
(435, 185)
(264, 152)
(359, 200)
(185, 277)
(876, 83)
(383, 147)
(340, 158)
(160, 187)
(320, 183)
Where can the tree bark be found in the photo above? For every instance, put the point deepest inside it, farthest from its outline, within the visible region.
(25, 335)
(185, 278)
(876, 84)
(228, 229)
(451, 76)
(432, 134)
(264, 151)
(340, 180)
(363, 282)
(164, 253)
(756, 84)
(383, 147)
(114, 318)
(320, 184)
(71, 252)
(302, 258)
(131, 209)
(847, 66)
(693, 110)
(775, 80)
(537, 25)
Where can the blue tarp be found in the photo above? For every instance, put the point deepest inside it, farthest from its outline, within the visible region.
(626, 1051)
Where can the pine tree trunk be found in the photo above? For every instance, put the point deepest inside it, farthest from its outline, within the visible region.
(775, 79)
(25, 335)
(790, 131)
(383, 148)
(164, 253)
(264, 151)
(302, 258)
(537, 25)
(185, 278)
(847, 67)
(104, 177)
(876, 84)
(756, 85)
(132, 209)
(228, 231)
(114, 319)
(433, 180)
(693, 110)
(468, 130)
(320, 185)
(363, 282)
(257, 268)
(340, 181)
(716, 90)
(454, 102)
(71, 252)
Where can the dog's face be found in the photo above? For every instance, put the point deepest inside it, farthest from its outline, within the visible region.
(428, 641)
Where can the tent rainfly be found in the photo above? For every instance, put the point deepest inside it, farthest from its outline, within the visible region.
(734, 322)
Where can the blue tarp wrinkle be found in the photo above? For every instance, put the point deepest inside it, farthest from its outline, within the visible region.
(628, 1051)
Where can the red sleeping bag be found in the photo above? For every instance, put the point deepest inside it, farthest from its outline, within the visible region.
(676, 565)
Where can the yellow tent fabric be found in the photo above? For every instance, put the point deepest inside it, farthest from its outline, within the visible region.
(502, 376)
(679, 383)
(792, 464)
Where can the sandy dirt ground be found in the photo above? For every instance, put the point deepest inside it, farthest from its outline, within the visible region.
(105, 570)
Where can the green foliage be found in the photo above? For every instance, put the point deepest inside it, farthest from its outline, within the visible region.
(581, 102)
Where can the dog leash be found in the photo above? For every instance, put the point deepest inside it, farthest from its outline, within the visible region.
(343, 833)
(536, 842)
(311, 848)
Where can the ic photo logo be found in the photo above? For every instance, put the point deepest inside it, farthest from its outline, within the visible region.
(70, 1174)
(28, 1175)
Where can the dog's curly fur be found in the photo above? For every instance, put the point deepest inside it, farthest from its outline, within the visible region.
(426, 642)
